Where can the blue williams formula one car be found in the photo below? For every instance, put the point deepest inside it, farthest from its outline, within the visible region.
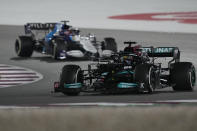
(61, 41)
(135, 68)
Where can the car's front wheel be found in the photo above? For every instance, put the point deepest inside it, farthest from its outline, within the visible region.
(144, 74)
(71, 80)
(109, 44)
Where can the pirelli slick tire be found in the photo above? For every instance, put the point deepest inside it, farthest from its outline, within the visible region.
(183, 76)
(58, 48)
(109, 44)
(24, 46)
(71, 74)
(144, 74)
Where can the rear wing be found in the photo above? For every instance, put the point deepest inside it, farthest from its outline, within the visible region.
(162, 51)
(38, 27)
(130, 42)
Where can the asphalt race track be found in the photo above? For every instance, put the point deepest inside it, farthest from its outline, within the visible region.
(39, 93)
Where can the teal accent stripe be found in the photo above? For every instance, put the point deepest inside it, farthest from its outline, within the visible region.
(73, 85)
(126, 85)
(126, 72)
(104, 74)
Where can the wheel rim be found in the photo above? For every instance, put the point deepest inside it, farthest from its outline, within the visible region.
(76, 76)
(192, 77)
(151, 79)
(17, 47)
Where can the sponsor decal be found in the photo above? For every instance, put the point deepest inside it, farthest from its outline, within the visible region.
(158, 49)
(74, 85)
(104, 74)
(126, 85)
(126, 72)
(180, 17)
(37, 26)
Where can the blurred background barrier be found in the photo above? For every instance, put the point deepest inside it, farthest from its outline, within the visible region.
(158, 118)
(150, 15)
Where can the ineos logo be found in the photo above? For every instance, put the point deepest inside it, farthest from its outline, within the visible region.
(181, 17)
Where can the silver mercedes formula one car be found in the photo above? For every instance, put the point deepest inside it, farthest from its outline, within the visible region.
(62, 41)
(134, 69)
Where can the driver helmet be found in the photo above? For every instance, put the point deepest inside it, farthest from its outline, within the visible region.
(65, 30)
(75, 31)
(127, 60)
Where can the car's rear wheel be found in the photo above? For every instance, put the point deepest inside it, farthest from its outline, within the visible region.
(144, 74)
(71, 80)
(183, 76)
(109, 44)
(24, 46)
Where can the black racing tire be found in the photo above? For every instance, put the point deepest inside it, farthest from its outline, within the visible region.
(183, 76)
(144, 74)
(109, 44)
(58, 47)
(71, 74)
(24, 46)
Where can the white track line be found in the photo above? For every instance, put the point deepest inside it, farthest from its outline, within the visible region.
(105, 104)
(102, 104)
(180, 101)
(18, 107)
(127, 104)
